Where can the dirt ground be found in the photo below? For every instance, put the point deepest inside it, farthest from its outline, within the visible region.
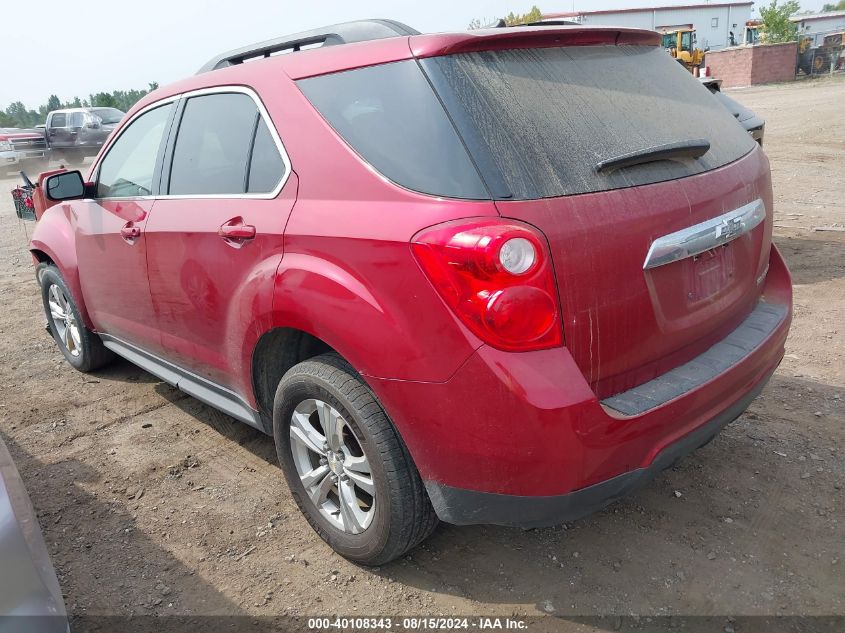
(153, 503)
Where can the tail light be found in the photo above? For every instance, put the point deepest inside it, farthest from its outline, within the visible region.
(496, 275)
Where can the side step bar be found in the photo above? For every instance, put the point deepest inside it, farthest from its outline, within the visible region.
(204, 390)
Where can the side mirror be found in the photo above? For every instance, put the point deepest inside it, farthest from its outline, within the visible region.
(65, 186)
(94, 125)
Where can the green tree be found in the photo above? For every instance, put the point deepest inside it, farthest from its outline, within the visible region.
(17, 115)
(839, 6)
(777, 26)
(511, 19)
(534, 15)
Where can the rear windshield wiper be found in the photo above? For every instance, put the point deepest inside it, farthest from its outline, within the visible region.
(692, 148)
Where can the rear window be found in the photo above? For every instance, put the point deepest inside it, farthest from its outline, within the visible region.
(390, 115)
(537, 121)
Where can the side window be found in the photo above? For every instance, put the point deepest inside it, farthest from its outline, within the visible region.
(390, 115)
(266, 167)
(212, 146)
(77, 119)
(128, 168)
(58, 120)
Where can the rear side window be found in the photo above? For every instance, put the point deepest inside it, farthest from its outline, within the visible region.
(58, 120)
(537, 121)
(391, 117)
(266, 166)
(212, 146)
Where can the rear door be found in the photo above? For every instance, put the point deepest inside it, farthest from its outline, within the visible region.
(216, 238)
(542, 123)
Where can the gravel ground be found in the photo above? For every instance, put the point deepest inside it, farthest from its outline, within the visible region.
(153, 503)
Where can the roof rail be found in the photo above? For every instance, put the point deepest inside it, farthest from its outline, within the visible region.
(345, 33)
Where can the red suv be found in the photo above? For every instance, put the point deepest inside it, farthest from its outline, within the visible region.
(485, 277)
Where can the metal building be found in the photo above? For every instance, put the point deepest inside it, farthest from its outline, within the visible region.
(820, 24)
(714, 22)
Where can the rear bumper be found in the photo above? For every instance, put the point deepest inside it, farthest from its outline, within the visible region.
(521, 439)
(468, 507)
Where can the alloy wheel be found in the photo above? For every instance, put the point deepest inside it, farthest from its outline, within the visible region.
(332, 466)
(64, 321)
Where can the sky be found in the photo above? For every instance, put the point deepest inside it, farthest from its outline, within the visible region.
(106, 45)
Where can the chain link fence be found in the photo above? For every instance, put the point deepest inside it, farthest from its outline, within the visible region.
(821, 54)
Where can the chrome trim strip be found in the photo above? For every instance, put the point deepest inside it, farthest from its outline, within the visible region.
(95, 169)
(705, 236)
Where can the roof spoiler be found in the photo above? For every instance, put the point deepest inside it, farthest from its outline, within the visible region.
(344, 33)
(529, 37)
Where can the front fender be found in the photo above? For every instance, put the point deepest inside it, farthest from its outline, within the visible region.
(54, 237)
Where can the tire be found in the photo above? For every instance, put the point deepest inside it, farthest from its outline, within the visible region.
(69, 159)
(81, 347)
(821, 64)
(399, 515)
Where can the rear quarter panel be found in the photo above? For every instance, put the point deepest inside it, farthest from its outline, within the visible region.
(348, 275)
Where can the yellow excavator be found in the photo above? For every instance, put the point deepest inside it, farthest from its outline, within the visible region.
(680, 44)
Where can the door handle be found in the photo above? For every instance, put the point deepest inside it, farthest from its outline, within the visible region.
(130, 232)
(236, 231)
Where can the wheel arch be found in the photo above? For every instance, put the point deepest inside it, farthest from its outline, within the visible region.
(275, 352)
(279, 349)
(53, 243)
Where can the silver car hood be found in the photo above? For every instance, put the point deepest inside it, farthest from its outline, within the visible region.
(30, 597)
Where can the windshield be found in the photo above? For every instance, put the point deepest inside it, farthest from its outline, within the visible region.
(108, 115)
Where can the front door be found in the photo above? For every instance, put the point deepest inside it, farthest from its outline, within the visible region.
(110, 232)
(216, 237)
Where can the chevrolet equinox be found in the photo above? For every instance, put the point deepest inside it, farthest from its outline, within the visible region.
(481, 277)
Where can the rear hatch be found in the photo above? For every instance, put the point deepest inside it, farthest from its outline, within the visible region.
(603, 142)
(541, 123)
